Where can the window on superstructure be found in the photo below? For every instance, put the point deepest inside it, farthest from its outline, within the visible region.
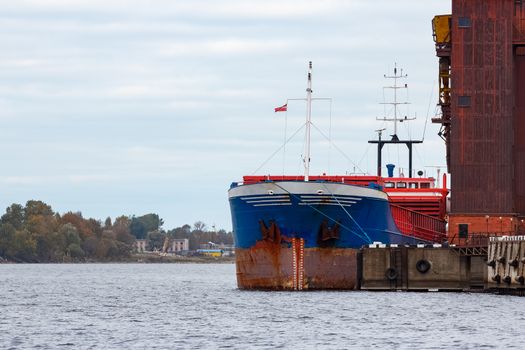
(425, 185)
(401, 185)
(389, 185)
(413, 185)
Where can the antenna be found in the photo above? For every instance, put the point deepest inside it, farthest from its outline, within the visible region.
(395, 139)
(308, 122)
(380, 132)
(395, 103)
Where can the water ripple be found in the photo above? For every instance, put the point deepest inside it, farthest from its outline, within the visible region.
(116, 306)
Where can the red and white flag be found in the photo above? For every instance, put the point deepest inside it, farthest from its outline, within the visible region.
(283, 108)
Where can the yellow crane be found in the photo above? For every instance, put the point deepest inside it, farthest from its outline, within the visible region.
(441, 28)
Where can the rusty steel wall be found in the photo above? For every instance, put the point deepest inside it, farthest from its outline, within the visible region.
(519, 128)
(519, 22)
(482, 133)
(519, 106)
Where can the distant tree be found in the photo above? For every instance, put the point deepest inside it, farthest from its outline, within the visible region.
(83, 226)
(89, 246)
(24, 247)
(137, 228)
(14, 215)
(140, 226)
(95, 226)
(46, 247)
(195, 241)
(75, 251)
(151, 222)
(180, 232)
(109, 235)
(40, 224)
(125, 237)
(40, 218)
(7, 234)
(199, 226)
(104, 247)
(123, 224)
(70, 234)
(34, 233)
(122, 221)
(125, 240)
(224, 237)
(156, 240)
(107, 223)
(34, 208)
(113, 251)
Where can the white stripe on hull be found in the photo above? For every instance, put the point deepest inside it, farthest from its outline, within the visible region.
(323, 203)
(318, 197)
(271, 200)
(270, 204)
(280, 188)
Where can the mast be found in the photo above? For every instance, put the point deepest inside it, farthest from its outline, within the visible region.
(308, 122)
(395, 104)
(395, 139)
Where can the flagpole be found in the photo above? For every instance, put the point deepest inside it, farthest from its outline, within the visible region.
(285, 127)
(308, 122)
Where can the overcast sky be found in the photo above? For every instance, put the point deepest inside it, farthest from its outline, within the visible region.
(114, 107)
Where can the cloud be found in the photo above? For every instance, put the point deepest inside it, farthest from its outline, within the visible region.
(22, 180)
(268, 9)
(91, 178)
(127, 102)
(21, 63)
(224, 46)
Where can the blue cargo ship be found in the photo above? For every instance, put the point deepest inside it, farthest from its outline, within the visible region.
(303, 232)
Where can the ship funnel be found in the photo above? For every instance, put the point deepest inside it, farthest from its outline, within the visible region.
(390, 169)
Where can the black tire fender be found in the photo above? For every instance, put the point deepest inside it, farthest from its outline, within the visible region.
(423, 266)
(391, 274)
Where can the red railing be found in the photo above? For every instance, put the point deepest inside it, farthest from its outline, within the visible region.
(421, 226)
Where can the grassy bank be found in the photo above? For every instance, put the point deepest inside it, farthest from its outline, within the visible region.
(142, 258)
(156, 258)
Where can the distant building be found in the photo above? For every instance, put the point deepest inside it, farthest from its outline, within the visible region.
(179, 245)
(175, 245)
(141, 245)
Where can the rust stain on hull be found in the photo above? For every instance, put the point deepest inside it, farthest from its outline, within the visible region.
(330, 268)
(271, 266)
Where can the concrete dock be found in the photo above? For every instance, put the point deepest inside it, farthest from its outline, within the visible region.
(498, 266)
(420, 268)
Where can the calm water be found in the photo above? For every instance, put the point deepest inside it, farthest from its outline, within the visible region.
(141, 306)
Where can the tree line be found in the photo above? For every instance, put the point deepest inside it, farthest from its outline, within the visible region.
(35, 233)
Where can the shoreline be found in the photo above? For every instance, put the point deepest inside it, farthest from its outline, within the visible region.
(142, 259)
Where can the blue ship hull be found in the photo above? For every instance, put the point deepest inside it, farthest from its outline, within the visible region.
(323, 214)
